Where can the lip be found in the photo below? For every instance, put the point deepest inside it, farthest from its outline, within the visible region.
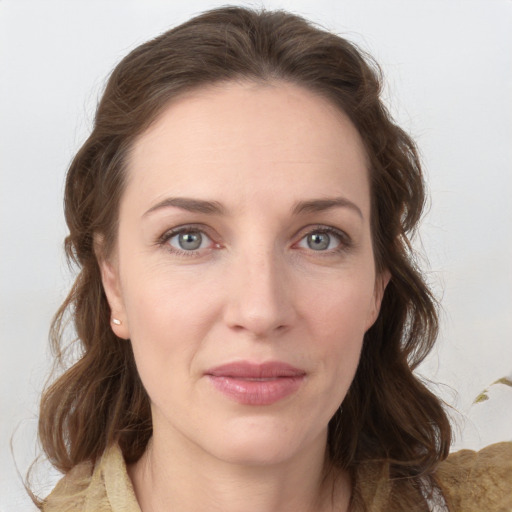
(256, 383)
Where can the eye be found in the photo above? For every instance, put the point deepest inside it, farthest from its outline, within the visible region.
(186, 240)
(324, 239)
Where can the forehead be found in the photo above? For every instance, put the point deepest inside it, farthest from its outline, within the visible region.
(238, 140)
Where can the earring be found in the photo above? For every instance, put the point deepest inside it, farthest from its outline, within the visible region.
(115, 321)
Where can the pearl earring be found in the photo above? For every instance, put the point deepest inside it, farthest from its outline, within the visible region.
(115, 321)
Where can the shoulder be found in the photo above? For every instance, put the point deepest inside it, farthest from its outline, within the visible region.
(476, 481)
(70, 491)
(103, 487)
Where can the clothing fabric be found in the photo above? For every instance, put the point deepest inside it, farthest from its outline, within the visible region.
(469, 481)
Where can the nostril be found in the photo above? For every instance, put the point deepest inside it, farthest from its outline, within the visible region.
(259, 331)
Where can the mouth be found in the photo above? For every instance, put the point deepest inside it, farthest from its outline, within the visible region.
(256, 383)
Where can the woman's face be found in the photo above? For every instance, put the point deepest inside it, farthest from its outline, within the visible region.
(244, 274)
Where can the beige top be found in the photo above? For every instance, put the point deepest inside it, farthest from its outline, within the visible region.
(470, 482)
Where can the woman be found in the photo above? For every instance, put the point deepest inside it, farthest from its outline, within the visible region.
(248, 304)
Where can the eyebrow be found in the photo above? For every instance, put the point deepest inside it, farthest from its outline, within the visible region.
(216, 208)
(320, 205)
(189, 204)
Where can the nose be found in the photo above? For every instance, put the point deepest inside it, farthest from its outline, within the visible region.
(259, 295)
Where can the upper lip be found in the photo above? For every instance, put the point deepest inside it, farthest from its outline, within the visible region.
(249, 370)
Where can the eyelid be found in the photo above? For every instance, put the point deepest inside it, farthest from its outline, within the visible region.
(344, 239)
(185, 228)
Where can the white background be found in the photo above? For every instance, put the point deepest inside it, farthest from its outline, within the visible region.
(448, 65)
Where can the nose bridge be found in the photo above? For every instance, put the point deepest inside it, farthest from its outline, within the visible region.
(259, 300)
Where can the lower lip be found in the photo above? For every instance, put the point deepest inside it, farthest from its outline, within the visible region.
(257, 392)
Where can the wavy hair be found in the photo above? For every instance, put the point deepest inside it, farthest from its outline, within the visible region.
(388, 414)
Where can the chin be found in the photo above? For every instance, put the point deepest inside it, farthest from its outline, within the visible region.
(254, 452)
(259, 441)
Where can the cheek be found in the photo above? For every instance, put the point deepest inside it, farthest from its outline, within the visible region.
(343, 305)
(338, 320)
(165, 300)
(169, 316)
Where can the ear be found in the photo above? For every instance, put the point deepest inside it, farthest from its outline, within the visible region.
(381, 281)
(111, 284)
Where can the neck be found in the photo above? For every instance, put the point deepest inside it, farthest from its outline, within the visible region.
(183, 478)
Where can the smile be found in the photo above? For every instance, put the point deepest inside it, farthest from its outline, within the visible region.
(256, 384)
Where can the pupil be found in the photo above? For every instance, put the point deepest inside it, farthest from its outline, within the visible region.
(190, 241)
(318, 241)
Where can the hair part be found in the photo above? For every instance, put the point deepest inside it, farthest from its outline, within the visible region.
(388, 413)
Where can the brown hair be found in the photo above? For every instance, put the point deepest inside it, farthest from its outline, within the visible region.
(388, 413)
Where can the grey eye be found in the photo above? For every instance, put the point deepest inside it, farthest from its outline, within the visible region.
(318, 241)
(188, 241)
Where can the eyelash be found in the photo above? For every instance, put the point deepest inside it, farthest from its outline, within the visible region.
(164, 239)
(345, 243)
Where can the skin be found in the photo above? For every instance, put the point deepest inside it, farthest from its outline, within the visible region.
(254, 290)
